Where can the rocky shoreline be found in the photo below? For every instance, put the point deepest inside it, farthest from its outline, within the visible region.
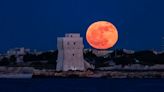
(98, 74)
(29, 72)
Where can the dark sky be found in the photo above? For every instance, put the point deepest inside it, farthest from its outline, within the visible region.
(36, 24)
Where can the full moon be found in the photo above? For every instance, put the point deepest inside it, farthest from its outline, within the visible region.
(102, 35)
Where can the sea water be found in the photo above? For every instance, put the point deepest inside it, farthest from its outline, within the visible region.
(81, 85)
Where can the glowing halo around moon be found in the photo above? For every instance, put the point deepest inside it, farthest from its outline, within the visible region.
(102, 35)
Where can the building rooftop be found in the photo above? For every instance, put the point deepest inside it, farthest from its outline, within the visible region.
(72, 35)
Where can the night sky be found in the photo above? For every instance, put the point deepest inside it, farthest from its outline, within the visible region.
(36, 24)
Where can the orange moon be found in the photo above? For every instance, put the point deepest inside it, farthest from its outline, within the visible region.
(102, 35)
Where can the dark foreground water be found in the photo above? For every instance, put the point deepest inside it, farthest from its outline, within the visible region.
(81, 85)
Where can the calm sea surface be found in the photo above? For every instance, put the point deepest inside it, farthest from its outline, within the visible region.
(81, 85)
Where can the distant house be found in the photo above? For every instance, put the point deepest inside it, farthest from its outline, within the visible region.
(19, 53)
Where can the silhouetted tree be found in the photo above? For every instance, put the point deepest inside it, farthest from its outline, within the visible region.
(4, 62)
(12, 60)
(90, 57)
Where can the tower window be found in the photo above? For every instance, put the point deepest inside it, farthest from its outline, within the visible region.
(67, 43)
(74, 43)
(73, 54)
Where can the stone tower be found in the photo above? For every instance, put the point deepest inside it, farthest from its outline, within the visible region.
(70, 52)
